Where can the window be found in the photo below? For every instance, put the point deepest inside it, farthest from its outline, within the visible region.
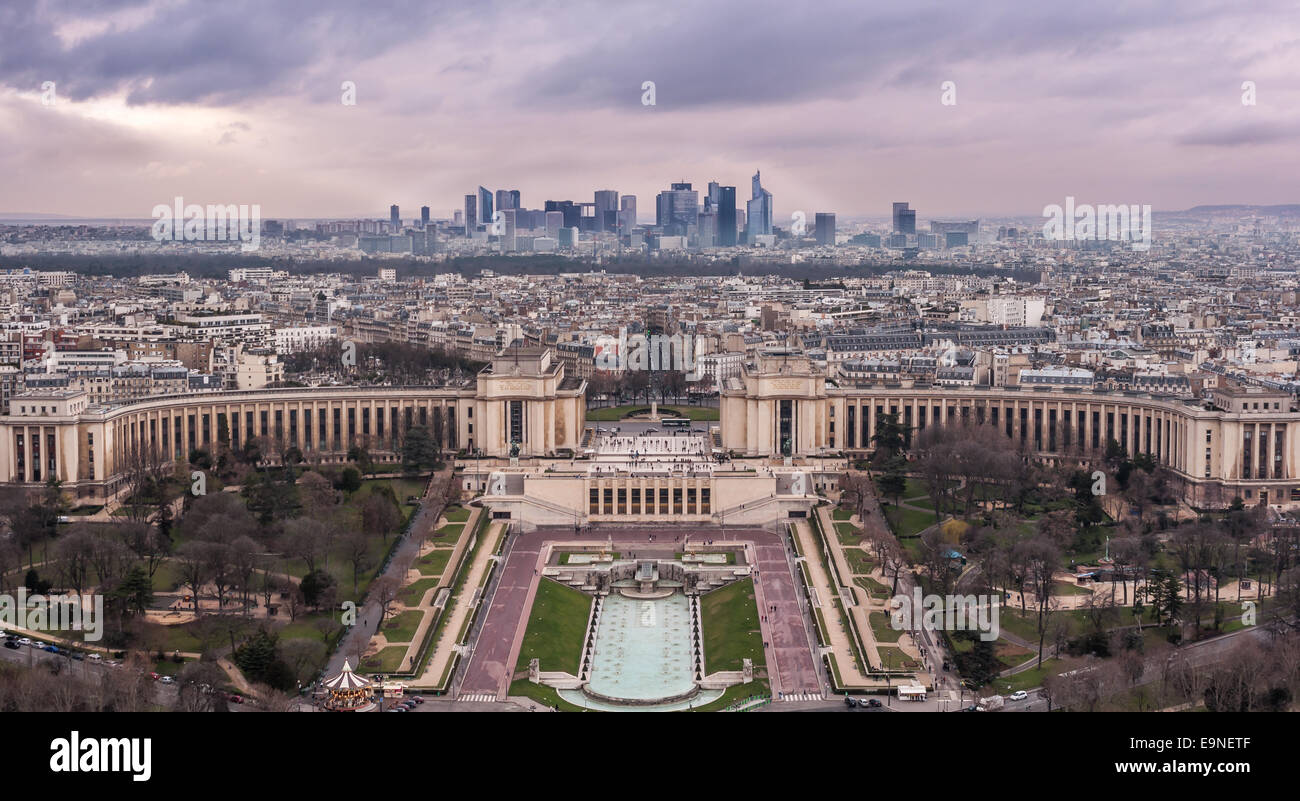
(516, 421)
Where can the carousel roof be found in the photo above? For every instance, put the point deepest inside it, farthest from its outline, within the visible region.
(347, 680)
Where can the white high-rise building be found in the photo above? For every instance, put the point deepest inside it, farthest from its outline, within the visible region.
(554, 222)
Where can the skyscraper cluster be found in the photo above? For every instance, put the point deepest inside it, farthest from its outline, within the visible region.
(684, 217)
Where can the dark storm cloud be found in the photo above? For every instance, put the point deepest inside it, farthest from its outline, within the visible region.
(215, 53)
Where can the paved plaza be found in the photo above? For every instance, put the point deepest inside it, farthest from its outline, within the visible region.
(792, 668)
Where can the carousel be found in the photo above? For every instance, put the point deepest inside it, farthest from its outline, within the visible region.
(347, 692)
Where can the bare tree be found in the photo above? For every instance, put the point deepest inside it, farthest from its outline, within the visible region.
(73, 552)
(192, 558)
(1041, 559)
(384, 592)
(309, 540)
(356, 549)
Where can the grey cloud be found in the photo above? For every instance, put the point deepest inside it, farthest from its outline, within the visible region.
(202, 52)
(1244, 134)
(741, 53)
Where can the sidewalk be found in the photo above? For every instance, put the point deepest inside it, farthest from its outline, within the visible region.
(425, 603)
(824, 593)
(859, 612)
(445, 648)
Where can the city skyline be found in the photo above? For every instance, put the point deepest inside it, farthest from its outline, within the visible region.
(256, 119)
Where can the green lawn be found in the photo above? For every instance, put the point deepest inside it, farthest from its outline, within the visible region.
(1027, 679)
(1066, 588)
(388, 660)
(415, 591)
(542, 694)
(859, 561)
(734, 694)
(729, 616)
(172, 638)
(848, 533)
(401, 627)
(449, 532)
(556, 626)
(882, 628)
(912, 547)
(403, 488)
(613, 414)
(875, 588)
(434, 562)
(894, 659)
(304, 628)
(456, 514)
(841, 514)
(908, 522)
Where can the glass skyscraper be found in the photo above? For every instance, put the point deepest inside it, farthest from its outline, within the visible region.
(606, 203)
(759, 209)
(485, 206)
(471, 214)
(904, 219)
(727, 216)
(676, 209)
(825, 229)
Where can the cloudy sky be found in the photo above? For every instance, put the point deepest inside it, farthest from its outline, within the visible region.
(838, 103)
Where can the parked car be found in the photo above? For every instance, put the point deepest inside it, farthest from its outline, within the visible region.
(77, 655)
(12, 644)
(418, 699)
(54, 649)
(235, 698)
(874, 703)
(850, 702)
(1018, 695)
(24, 641)
(154, 676)
(95, 658)
(167, 680)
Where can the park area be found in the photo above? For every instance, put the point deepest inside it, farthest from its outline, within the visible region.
(258, 573)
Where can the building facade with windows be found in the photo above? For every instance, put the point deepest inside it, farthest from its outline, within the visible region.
(524, 398)
(1239, 442)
